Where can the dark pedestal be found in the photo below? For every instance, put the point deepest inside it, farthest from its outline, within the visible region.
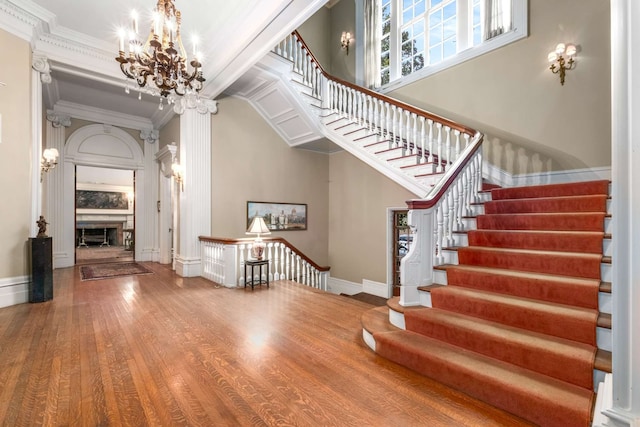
(41, 286)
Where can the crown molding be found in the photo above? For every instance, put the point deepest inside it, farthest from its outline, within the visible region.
(99, 115)
(19, 22)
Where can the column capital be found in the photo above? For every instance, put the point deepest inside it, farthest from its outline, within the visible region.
(149, 136)
(40, 63)
(58, 119)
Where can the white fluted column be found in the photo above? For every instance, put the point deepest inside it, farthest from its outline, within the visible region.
(147, 243)
(41, 73)
(54, 194)
(195, 197)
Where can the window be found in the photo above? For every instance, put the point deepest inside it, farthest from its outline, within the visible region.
(419, 37)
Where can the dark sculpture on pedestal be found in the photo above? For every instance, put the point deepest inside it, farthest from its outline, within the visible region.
(42, 227)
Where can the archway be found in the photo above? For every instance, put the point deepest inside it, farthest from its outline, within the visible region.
(100, 146)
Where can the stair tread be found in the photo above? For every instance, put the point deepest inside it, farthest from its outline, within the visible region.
(482, 376)
(603, 361)
(512, 251)
(377, 320)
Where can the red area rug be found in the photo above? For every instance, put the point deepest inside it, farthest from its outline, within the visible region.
(109, 271)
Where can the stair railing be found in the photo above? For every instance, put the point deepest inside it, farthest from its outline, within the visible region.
(433, 138)
(454, 150)
(223, 262)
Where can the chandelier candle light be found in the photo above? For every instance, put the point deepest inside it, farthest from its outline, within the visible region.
(162, 59)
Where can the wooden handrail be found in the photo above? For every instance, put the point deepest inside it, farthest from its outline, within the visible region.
(439, 189)
(228, 241)
(404, 106)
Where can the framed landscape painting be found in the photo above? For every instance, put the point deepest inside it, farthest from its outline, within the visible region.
(279, 216)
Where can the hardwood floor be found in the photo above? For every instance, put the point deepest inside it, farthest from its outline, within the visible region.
(161, 350)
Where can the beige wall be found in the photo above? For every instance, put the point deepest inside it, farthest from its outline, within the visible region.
(315, 32)
(343, 15)
(359, 198)
(15, 155)
(170, 132)
(250, 162)
(533, 123)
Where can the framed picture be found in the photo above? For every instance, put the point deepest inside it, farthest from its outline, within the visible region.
(279, 216)
(104, 199)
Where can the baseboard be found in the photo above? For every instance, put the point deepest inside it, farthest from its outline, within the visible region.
(340, 286)
(505, 179)
(376, 288)
(14, 290)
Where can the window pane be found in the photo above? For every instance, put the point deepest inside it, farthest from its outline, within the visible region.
(407, 16)
(386, 27)
(418, 28)
(476, 15)
(384, 60)
(419, 44)
(435, 2)
(385, 77)
(407, 50)
(435, 54)
(418, 62)
(449, 48)
(386, 12)
(419, 8)
(477, 36)
(435, 36)
(450, 10)
(405, 35)
(406, 68)
(384, 45)
(407, 4)
(435, 18)
(449, 29)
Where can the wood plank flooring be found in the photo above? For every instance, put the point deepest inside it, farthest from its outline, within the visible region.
(161, 350)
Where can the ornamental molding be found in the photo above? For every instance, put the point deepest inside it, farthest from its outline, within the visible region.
(150, 136)
(40, 63)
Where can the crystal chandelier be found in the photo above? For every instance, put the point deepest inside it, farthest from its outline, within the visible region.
(162, 59)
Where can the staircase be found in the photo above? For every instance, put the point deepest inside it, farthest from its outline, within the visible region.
(520, 316)
(303, 104)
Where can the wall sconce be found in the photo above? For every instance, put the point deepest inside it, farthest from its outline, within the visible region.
(345, 39)
(258, 227)
(49, 161)
(178, 174)
(557, 59)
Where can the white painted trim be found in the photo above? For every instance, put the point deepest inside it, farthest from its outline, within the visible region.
(341, 286)
(368, 339)
(36, 151)
(98, 115)
(17, 21)
(505, 179)
(375, 288)
(14, 290)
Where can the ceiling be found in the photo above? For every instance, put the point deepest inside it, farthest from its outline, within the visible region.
(78, 38)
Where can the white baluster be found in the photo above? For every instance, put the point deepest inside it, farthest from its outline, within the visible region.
(439, 165)
(242, 279)
(445, 220)
(287, 269)
(401, 129)
(448, 146)
(423, 137)
(440, 234)
(457, 135)
(466, 140)
(394, 129)
(430, 123)
(297, 268)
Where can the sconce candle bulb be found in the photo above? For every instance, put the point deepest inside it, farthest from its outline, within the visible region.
(49, 161)
(559, 64)
(345, 39)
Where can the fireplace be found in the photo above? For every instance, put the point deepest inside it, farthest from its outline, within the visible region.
(98, 234)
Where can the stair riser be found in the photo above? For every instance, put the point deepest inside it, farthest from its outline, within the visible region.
(555, 190)
(578, 328)
(535, 241)
(421, 169)
(578, 204)
(472, 224)
(409, 160)
(386, 154)
(533, 262)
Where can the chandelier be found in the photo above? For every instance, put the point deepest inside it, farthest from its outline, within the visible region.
(162, 59)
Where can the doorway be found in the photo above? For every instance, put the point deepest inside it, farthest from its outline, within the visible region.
(401, 239)
(104, 215)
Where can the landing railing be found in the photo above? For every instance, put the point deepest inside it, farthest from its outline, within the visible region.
(454, 150)
(223, 262)
(434, 139)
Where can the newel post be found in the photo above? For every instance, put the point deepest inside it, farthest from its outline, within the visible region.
(416, 268)
(230, 266)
